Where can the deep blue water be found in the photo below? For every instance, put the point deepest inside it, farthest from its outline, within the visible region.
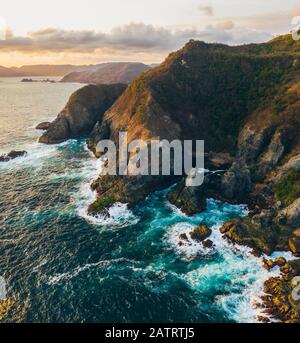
(70, 267)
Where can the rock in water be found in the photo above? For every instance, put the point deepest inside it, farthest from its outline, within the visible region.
(84, 109)
(294, 244)
(208, 243)
(200, 233)
(43, 126)
(12, 155)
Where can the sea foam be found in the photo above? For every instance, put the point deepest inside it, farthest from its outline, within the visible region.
(234, 274)
(119, 214)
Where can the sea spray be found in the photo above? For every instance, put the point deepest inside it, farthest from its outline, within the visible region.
(119, 215)
(234, 274)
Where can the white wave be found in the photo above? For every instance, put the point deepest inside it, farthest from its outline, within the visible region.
(37, 154)
(288, 255)
(236, 274)
(36, 268)
(119, 214)
(57, 278)
(188, 249)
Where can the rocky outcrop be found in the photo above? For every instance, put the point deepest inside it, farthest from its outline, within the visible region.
(294, 244)
(236, 184)
(243, 101)
(43, 126)
(200, 233)
(277, 262)
(192, 200)
(189, 199)
(290, 215)
(83, 110)
(125, 189)
(12, 155)
(258, 130)
(280, 302)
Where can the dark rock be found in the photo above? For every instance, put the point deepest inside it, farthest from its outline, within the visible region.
(208, 243)
(125, 189)
(273, 154)
(244, 232)
(278, 302)
(263, 319)
(183, 237)
(280, 261)
(200, 233)
(294, 244)
(217, 161)
(4, 158)
(190, 200)
(12, 155)
(290, 215)
(100, 132)
(236, 183)
(43, 126)
(270, 264)
(84, 109)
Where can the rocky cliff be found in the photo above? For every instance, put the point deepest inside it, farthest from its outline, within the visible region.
(244, 101)
(83, 110)
(238, 99)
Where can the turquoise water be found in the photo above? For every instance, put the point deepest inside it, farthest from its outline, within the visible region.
(129, 268)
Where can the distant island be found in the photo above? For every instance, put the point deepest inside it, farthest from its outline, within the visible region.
(45, 80)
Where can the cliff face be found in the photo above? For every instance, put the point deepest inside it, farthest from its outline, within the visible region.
(203, 91)
(240, 100)
(83, 110)
(108, 73)
(245, 103)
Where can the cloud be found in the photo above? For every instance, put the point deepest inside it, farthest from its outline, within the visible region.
(206, 10)
(133, 37)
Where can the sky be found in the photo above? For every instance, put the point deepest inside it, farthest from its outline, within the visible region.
(95, 31)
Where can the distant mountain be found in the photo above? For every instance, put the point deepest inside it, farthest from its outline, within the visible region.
(50, 70)
(7, 72)
(108, 73)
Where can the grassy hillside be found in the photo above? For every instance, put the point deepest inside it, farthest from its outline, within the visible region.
(205, 91)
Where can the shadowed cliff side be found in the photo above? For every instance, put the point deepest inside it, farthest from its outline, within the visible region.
(231, 97)
(84, 109)
(244, 101)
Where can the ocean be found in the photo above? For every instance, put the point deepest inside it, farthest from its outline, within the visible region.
(62, 265)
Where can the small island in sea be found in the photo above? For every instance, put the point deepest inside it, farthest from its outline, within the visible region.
(35, 80)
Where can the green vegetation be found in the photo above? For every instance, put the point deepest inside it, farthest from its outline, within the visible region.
(104, 202)
(220, 86)
(288, 189)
